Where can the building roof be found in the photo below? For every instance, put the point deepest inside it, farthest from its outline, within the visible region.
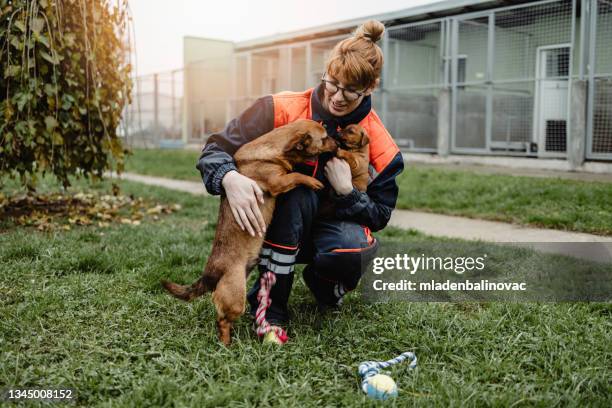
(419, 13)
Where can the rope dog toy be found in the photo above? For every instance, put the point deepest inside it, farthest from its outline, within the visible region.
(272, 334)
(381, 386)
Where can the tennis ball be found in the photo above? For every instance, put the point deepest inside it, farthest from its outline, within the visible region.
(381, 386)
(272, 338)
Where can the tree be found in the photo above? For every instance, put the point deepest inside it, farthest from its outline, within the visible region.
(65, 81)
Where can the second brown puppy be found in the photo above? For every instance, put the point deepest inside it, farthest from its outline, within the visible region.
(354, 148)
(269, 160)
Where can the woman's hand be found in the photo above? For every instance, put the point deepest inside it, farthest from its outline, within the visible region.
(242, 195)
(338, 172)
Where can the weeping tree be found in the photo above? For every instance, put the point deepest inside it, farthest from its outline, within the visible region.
(65, 81)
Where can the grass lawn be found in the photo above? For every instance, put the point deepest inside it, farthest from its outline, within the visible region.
(83, 308)
(543, 202)
(172, 163)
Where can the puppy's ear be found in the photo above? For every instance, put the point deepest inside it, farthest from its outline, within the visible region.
(364, 138)
(299, 142)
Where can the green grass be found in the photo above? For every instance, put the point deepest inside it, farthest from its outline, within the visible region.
(84, 309)
(542, 202)
(170, 163)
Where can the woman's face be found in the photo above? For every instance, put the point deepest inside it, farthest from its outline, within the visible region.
(340, 99)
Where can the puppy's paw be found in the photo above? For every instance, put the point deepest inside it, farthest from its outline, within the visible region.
(315, 184)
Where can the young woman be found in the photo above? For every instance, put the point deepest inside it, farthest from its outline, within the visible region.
(335, 248)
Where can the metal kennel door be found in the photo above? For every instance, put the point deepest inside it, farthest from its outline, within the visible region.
(552, 94)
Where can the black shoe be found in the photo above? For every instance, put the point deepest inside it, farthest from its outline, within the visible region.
(325, 292)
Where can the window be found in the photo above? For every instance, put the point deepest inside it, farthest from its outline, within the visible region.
(557, 63)
(461, 69)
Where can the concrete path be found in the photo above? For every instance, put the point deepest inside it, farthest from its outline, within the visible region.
(171, 184)
(545, 240)
(579, 245)
(492, 231)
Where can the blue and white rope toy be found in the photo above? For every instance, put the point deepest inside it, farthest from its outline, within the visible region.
(381, 386)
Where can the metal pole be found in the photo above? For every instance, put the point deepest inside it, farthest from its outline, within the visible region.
(229, 113)
(249, 82)
(592, 13)
(155, 109)
(454, 48)
(569, 138)
(384, 80)
(489, 82)
(289, 69)
(173, 107)
(308, 51)
(187, 122)
(582, 43)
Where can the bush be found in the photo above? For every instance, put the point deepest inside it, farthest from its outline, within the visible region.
(65, 80)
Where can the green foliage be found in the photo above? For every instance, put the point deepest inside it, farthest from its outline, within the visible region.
(65, 80)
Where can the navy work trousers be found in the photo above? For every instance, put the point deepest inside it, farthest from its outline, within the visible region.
(334, 251)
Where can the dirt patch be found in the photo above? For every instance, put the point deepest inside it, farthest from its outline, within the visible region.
(65, 211)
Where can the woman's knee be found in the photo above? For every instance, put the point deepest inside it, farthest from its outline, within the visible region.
(345, 265)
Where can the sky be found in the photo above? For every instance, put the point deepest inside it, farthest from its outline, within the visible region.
(160, 25)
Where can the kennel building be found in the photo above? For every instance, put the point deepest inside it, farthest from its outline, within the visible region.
(478, 77)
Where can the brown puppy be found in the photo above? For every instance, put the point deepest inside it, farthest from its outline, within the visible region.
(268, 160)
(354, 148)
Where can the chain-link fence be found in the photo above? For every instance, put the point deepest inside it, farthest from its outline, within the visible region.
(509, 71)
(412, 79)
(155, 115)
(295, 67)
(511, 79)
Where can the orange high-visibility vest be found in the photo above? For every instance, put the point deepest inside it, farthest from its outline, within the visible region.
(291, 106)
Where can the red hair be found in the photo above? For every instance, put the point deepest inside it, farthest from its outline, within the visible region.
(357, 61)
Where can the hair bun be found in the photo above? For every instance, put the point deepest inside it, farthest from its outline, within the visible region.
(373, 30)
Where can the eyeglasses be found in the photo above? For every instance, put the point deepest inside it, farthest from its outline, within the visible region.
(348, 94)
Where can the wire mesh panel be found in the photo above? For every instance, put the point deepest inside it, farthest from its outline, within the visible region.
(602, 118)
(169, 105)
(413, 78)
(156, 112)
(551, 113)
(240, 78)
(535, 42)
(511, 73)
(139, 115)
(470, 124)
(413, 56)
(298, 72)
(519, 32)
(265, 73)
(412, 118)
(471, 90)
(319, 52)
(472, 49)
(512, 122)
(600, 145)
(603, 38)
(209, 83)
(207, 115)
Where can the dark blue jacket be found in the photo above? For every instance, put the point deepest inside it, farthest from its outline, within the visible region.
(371, 209)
